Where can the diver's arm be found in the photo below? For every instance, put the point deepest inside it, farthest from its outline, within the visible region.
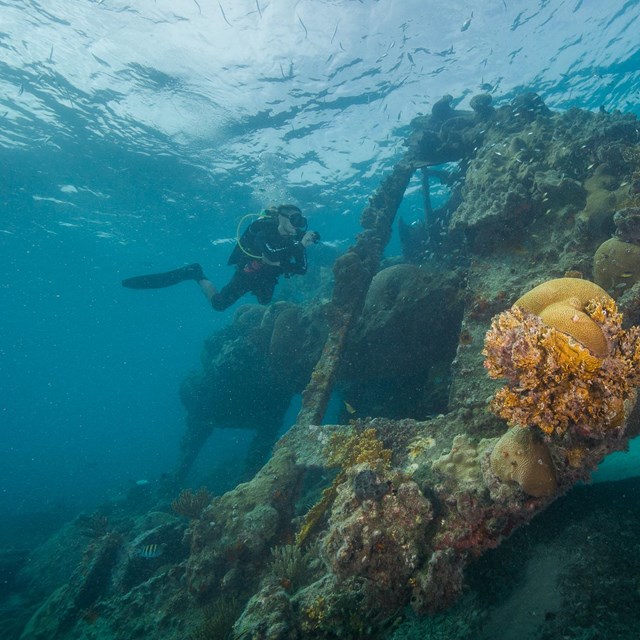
(296, 262)
(208, 289)
(269, 261)
(275, 252)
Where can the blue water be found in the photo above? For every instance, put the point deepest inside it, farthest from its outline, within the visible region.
(134, 135)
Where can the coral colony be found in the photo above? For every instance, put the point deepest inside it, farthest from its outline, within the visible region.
(346, 525)
(569, 364)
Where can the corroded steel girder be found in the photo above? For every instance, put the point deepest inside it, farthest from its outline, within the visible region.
(353, 273)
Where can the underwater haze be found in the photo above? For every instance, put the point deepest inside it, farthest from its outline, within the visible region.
(136, 134)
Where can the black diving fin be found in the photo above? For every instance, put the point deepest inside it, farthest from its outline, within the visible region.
(166, 279)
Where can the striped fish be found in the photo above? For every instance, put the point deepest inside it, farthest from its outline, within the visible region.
(150, 551)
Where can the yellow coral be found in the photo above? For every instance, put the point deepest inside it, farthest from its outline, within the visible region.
(575, 456)
(349, 449)
(559, 380)
(569, 353)
(315, 515)
(344, 450)
(314, 614)
(419, 445)
(561, 304)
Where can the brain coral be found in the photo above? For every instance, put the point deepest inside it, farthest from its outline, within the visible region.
(570, 367)
(616, 265)
(560, 304)
(520, 456)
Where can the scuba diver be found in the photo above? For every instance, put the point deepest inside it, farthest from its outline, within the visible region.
(275, 244)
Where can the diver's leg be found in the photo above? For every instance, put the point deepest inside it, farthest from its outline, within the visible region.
(263, 288)
(235, 289)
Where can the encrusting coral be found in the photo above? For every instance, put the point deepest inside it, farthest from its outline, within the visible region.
(344, 450)
(379, 536)
(568, 362)
(462, 462)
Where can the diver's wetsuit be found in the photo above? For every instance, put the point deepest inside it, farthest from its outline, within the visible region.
(261, 239)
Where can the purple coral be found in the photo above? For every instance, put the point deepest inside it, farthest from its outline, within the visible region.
(381, 540)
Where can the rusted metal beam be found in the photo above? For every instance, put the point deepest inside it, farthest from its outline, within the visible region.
(353, 273)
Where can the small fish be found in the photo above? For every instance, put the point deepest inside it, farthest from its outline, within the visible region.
(335, 31)
(144, 481)
(350, 409)
(306, 33)
(223, 14)
(467, 23)
(104, 63)
(150, 551)
(628, 274)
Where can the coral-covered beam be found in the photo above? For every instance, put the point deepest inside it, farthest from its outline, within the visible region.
(353, 272)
